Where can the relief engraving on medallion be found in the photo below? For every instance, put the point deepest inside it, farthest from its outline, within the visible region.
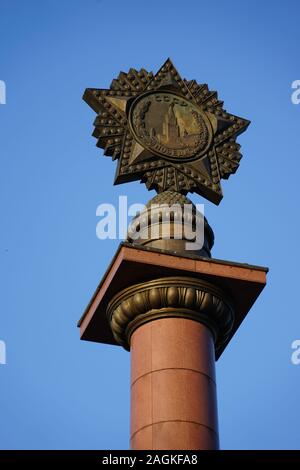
(170, 126)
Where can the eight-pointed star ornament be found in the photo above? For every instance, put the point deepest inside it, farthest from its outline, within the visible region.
(171, 133)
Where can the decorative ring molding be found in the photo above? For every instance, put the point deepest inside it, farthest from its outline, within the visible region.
(182, 297)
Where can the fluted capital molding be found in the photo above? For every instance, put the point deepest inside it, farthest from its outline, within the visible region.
(182, 297)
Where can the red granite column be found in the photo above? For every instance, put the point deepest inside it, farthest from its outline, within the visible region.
(173, 389)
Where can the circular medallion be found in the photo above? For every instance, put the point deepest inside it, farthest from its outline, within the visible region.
(170, 126)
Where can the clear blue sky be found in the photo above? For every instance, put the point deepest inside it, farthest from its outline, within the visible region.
(56, 391)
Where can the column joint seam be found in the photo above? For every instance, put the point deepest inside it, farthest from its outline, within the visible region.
(174, 368)
(174, 421)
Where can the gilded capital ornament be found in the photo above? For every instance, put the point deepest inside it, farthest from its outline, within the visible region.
(183, 297)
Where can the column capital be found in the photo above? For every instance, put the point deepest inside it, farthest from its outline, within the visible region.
(178, 296)
(135, 268)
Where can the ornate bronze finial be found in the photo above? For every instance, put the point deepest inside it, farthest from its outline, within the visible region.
(171, 133)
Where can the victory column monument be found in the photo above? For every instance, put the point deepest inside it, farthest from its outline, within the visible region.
(175, 309)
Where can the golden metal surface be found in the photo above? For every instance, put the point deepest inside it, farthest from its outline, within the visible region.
(181, 297)
(171, 133)
(170, 126)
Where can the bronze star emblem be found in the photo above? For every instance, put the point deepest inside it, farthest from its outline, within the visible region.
(171, 133)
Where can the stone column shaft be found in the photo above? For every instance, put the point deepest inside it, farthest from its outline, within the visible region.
(173, 389)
